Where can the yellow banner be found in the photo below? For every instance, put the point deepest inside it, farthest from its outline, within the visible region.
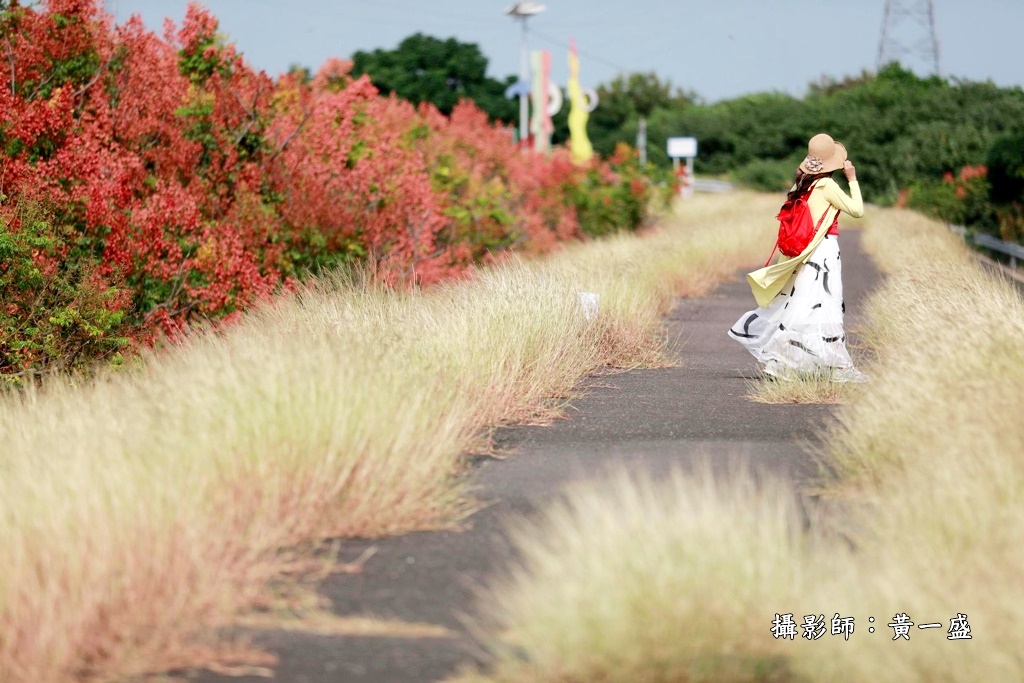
(579, 143)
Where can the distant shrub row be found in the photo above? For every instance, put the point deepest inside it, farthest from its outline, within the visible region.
(952, 148)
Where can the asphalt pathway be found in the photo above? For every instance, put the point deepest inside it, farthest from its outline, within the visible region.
(644, 419)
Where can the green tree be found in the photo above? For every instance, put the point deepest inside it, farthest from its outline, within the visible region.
(1006, 178)
(1006, 168)
(624, 101)
(734, 133)
(427, 69)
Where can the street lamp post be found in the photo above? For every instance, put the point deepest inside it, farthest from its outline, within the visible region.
(523, 11)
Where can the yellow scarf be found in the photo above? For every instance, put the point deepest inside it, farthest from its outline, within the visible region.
(767, 282)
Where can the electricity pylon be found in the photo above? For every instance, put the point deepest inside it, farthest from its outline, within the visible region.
(908, 31)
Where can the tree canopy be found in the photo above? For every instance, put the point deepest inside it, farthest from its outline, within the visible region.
(427, 69)
(624, 100)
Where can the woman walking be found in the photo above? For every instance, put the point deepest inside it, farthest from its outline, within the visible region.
(798, 327)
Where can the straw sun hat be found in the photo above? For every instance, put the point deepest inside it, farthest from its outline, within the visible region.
(824, 155)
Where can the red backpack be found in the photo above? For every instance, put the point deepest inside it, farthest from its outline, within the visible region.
(796, 227)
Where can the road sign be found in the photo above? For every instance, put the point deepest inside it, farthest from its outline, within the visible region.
(682, 148)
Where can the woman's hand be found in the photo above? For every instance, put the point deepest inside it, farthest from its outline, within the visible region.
(850, 170)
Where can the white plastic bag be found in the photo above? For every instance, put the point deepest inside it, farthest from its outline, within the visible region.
(589, 304)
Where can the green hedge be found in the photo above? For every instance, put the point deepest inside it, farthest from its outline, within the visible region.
(56, 312)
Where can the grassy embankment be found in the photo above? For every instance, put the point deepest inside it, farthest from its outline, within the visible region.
(144, 510)
(680, 581)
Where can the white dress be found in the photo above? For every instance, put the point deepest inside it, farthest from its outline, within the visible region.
(801, 331)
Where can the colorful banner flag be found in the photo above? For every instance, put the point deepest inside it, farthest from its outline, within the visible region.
(579, 143)
(540, 125)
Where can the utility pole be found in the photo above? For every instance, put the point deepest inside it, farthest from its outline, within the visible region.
(908, 31)
(641, 141)
(523, 11)
(524, 77)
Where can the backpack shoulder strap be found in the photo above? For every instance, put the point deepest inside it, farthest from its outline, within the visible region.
(829, 206)
(806, 199)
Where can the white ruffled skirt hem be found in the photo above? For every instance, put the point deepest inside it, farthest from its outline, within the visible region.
(801, 331)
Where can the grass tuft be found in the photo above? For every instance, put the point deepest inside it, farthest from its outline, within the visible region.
(632, 580)
(144, 511)
(817, 387)
(679, 581)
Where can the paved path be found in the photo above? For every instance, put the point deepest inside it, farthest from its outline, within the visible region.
(650, 419)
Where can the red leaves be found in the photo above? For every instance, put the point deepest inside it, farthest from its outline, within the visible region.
(972, 172)
(198, 30)
(206, 185)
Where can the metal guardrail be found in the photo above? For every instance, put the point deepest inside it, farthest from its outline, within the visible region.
(1012, 249)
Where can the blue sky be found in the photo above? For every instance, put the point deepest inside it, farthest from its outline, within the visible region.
(720, 48)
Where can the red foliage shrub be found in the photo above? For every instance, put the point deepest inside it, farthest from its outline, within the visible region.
(202, 185)
(961, 198)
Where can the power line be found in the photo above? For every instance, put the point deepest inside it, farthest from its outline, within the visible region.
(403, 19)
(578, 25)
(600, 60)
(435, 14)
